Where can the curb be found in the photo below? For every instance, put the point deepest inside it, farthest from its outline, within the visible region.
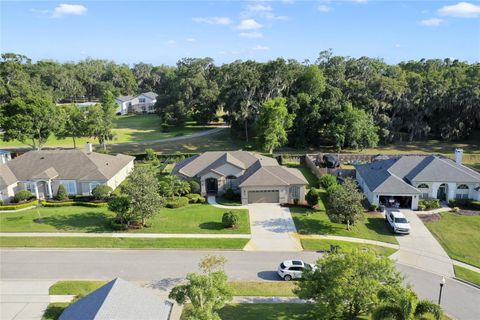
(467, 282)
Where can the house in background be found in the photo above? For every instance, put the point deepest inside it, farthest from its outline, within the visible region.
(143, 103)
(41, 172)
(257, 178)
(405, 180)
(119, 299)
(5, 156)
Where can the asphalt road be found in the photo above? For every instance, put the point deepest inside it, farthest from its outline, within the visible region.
(164, 268)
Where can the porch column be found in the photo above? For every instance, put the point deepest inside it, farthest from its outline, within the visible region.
(36, 190)
(49, 187)
(452, 190)
(203, 188)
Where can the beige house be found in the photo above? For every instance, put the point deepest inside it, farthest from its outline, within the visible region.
(257, 178)
(143, 103)
(41, 172)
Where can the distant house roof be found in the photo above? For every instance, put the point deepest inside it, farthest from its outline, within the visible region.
(401, 174)
(124, 98)
(119, 299)
(150, 94)
(67, 165)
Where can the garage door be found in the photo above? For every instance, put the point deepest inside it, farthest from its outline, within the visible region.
(263, 196)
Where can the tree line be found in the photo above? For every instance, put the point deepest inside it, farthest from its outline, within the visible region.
(340, 101)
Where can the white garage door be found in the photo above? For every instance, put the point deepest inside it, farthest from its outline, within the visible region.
(263, 196)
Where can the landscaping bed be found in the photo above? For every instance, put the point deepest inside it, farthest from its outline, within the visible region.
(324, 245)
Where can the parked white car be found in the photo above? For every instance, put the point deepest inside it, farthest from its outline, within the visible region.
(398, 222)
(293, 269)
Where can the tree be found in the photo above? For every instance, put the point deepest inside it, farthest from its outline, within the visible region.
(273, 123)
(101, 119)
(312, 197)
(75, 124)
(171, 186)
(62, 193)
(327, 180)
(122, 206)
(345, 203)
(142, 191)
(230, 219)
(403, 304)
(207, 292)
(346, 285)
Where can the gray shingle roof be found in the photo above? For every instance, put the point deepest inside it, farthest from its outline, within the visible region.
(124, 98)
(150, 94)
(6, 176)
(119, 300)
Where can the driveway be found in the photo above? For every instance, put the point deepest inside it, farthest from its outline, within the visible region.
(272, 229)
(421, 250)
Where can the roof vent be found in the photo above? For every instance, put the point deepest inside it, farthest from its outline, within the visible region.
(41, 158)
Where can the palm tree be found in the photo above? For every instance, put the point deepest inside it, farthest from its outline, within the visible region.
(403, 304)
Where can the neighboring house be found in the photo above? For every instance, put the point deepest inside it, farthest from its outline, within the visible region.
(143, 103)
(41, 172)
(257, 178)
(406, 179)
(119, 299)
(5, 156)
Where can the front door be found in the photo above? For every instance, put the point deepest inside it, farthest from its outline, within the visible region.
(442, 192)
(212, 185)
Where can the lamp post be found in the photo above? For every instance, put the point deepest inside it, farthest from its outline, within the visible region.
(442, 283)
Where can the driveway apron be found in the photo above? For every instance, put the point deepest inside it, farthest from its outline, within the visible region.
(272, 229)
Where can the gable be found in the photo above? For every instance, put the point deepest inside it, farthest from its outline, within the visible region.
(228, 169)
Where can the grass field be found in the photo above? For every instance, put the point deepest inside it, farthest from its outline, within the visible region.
(226, 202)
(466, 274)
(194, 218)
(75, 287)
(324, 245)
(54, 310)
(459, 236)
(264, 288)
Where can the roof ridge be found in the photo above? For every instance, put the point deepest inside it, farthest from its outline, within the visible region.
(274, 173)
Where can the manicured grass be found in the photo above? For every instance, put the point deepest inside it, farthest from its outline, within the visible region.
(75, 287)
(124, 243)
(226, 202)
(263, 288)
(466, 274)
(324, 245)
(194, 218)
(459, 235)
(54, 310)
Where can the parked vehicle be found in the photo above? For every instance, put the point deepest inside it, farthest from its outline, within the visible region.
(398, 222)
(293, 269)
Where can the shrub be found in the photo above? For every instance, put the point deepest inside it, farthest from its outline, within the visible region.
(19, 206)
(1, 202)
(164, 127)
(312, 197)
(456, 210)
(373, 207)
(176, 202)
(22, 195)
(429, 203)
(62, 194)
(194, 186)
(230, 194)
(195, 198)
(464, 203)
(230, 219)
(73, 203)
(327, 180)
(102, 191)
(421, 207)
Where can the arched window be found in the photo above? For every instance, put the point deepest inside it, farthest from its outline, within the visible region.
(423, 186)
(462, 186)
(231, 182)
(424, 192)
(462, 191)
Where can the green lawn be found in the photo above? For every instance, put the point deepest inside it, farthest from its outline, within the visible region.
(226, 202)
(54, 310)
(124, 243)
(459, 236)
(194, 218)
(467, 274)
(324, 245)
(75, 287)
(263, 288)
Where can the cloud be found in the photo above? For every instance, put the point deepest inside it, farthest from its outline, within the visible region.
(324, 8)
(260, 10)
(397, 45)
(253, 34)
(249, 24)
(171, 43)
(68, 9)
(433, 22)
(260, 48)
(213, 20)
(460, 10)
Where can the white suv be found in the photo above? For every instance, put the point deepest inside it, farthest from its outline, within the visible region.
(398, 222)
(293, 269)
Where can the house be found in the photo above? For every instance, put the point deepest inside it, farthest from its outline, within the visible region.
(41, 172)
(143, 103)
(119, 299)
(257, 178)
(5, 156)
(405, 179)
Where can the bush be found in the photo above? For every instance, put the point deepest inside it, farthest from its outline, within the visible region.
(164, 127)
(102, 191)
(455, 210)
(19, 206)
(73, 203)
(230, 219)
(174, 203)
(230, 194)
(327, 180)
(429, 203)
(464, 203)
(194, 186)
(1, 202)
(312, 197)
(22, 195)
(373, 207)
(62, 194)
(421, 207)
(195, 198)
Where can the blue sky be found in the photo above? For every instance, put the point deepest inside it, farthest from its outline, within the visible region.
(161, 32)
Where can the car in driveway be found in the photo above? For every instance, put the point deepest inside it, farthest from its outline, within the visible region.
(293, 269)
(398, 222)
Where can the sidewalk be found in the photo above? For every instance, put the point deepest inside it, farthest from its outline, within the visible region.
(350, 239)
(213, 201)
(126, 235)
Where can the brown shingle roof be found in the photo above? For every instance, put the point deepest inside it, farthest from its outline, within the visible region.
(6, 176)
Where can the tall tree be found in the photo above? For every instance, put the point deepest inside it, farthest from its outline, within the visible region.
(100, 119)
(76, 124)
(345, 203)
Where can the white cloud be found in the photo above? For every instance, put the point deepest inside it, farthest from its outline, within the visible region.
(68, 9)
(433, 22)
(253, 34)
(460, 10)
(191, 40)
(213, 20)
(259, 7)
(260, 10)
(260, 48)
(324, 8)
(171, 43)
(249, 24)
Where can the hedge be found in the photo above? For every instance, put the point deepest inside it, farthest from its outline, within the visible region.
(19, 205)
(464, 203)
(177, 202)
(73, 203)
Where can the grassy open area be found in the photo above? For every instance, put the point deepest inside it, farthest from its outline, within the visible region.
(194, 218)
(263, 288)
(324, 245)
(459, 236)
(226, 202)
(124, 243)
(467, 274)
(75, 287)
(54, 310)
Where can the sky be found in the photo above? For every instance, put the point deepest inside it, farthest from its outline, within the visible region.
(162, 32)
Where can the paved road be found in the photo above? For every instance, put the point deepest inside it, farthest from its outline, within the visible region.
(164, 268)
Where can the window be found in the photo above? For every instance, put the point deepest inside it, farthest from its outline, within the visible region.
(462, 192)
(295, 192)
(295, 269)
(141, 100)
(231, 182)
(150, 107)
(70, 186)
(424, 188)
(30, 186)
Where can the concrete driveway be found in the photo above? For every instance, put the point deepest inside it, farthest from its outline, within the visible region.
(421, 250)
(272, 229)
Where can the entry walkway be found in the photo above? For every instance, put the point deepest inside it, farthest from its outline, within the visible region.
(213, 201)
(272, 229)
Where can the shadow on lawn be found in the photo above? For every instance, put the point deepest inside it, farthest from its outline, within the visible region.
(313, 226)
(211, 225)
(379, 225)
(268, 311)
(81, 222)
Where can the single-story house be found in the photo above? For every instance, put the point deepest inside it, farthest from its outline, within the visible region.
(405, 179)
(143, 103)
(41, 172)
(119, 299)
(257, 178)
